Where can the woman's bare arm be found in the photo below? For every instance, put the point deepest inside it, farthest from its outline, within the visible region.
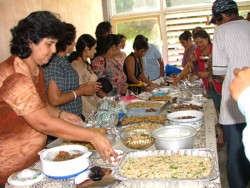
(41, 121)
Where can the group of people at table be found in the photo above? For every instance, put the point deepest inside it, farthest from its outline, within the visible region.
(44, 92)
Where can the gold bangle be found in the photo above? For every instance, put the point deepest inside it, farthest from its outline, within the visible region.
(59, 114)
(74, 94)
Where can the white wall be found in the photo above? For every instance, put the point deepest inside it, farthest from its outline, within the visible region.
(83, 14)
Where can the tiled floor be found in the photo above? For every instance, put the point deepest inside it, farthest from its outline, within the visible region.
(222, 165)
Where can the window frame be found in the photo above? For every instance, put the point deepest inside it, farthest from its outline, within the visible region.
(161, 14)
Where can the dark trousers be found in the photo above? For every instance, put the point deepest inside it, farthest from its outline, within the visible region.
(238, 166)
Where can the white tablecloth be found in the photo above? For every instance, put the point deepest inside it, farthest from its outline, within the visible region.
(204, 139)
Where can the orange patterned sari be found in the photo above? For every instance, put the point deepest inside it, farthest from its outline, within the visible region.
(20, 94)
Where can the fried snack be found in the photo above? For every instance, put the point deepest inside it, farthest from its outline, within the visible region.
(160, 98)
(142, 125)
(145, 105)
(100, 130)
(138, 119)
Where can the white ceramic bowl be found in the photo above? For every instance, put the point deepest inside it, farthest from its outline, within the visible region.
(64, 169)
(175, 118)
(174, 137)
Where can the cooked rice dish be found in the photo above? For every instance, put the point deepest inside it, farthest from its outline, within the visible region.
(167, 166)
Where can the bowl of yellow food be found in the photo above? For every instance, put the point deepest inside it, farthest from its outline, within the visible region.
(137, 139)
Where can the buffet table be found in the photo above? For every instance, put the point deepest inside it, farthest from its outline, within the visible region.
(205, 138)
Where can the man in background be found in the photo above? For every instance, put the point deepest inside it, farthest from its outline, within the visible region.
(231, 50)
(153, 63)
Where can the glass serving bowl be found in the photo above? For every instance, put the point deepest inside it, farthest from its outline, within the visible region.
(137, 139)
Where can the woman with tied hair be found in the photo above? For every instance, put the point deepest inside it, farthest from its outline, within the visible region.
(26, 118)
(122, 55)
(186, 41)
(133, 67)
(103, 29)
(105, 65)
(85, 49)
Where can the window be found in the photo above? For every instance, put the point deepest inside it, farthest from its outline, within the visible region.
(126, 6)
(147, 26)
(162, 21)
(176, 3)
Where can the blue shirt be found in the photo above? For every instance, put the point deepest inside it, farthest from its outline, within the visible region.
(151, 64)
(66, 78)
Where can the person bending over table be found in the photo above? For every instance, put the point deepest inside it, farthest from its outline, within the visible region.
(25, 116)
(133, 67)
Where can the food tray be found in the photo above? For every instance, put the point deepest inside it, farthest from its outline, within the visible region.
(191, 152)
(193, 105)
(144, 109)
(146, 104)
(138, 119)
(142, 125)
(160, 98)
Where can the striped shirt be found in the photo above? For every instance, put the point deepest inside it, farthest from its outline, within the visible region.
(231, 49)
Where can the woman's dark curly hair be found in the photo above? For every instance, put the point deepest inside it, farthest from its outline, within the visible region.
(69, 35)
(102, 29)
(186, 35)
(202, 34)
(105, 43)
(83, 41)
(37, 26)
(140, 43)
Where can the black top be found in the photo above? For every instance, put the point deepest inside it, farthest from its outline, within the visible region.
(138, 68)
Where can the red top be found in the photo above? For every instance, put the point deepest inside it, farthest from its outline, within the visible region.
(202, 68)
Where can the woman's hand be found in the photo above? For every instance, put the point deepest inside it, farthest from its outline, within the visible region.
(103, 146)
(203, 74)
(71, 118)
(89, 88)
(124, 89)
(153, 85)
(176, 81)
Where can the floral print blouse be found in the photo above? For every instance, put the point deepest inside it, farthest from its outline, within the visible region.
(113, 71)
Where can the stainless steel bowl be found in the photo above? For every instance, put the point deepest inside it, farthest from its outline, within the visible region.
(137, 139)
(174, 137)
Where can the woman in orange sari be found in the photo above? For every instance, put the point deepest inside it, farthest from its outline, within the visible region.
(25, 116)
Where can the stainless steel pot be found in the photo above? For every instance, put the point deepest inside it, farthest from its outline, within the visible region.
(174, 137)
